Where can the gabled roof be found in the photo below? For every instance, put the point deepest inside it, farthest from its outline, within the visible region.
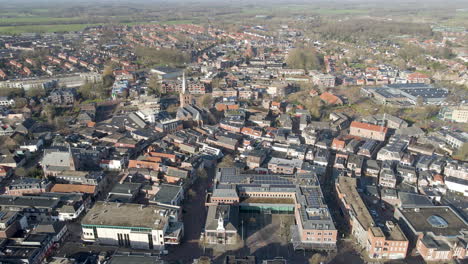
(371, 127)
(330, 98)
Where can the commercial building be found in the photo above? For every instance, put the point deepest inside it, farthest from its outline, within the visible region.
(437, 232)
(407, 94)
(298, 194)
(380, 243)
(132, 225)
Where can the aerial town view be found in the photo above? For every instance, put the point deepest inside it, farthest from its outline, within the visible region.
(233, 132)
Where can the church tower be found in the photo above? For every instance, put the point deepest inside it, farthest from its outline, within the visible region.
(184, 97)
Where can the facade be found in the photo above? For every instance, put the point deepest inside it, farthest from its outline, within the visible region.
(455, 113)
(62, 97)
(368, 131)
(299, 194)
(407, 94)
(27, 186)
(4, 101)
(380, 243)
(132, 225)
(222, 224)
(392, 244)
(437, 232)
(456, 140)
(34, 208)
(387, 178)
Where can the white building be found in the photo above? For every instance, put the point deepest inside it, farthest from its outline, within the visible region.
(132, 225)
(457, 185)
(455, 113)
(4, 101)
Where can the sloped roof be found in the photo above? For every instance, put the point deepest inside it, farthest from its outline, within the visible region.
(366, 126)
(73, 188)
(330, 98)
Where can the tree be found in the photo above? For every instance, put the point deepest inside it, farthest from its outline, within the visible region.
(49, 112)
(150, 57)
(304, 58)
(35, 173)
(108, 71)
(36, 92)
(192, 193)
(172, 108)
(317, 258)
(125, 93)
(20, 172)
(12, 92)
(21, 102)
(108, 80)
(227, 162)
(204, 260)
(60, 123)
(154, 86)
(410, 52)
(206, 101)
(419, 101)
(201, 172)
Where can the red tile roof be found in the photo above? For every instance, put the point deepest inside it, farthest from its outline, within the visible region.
(369, 127)
(73, 188)
(330, 98)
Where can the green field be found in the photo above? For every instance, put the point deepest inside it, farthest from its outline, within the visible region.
(170, 22)
(10, 30)
(323, 11)
(303, 9)
(37, 20)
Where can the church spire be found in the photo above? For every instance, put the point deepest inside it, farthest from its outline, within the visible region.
(184, 85)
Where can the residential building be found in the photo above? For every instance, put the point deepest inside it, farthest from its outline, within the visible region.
(62, 96)
(456, 139)
(380, 243)
(24, 186)
(455, 113)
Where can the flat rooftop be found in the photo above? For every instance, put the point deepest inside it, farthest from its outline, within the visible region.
(394, 233)
(347, 187)
(440, 220)
(267, 200)
(126, 215)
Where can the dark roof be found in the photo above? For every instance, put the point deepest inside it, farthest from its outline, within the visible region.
(166, 193)
(413, 200)
(418, 218)
(230, 213)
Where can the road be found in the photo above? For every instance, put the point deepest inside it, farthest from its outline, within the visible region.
(194, 220)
